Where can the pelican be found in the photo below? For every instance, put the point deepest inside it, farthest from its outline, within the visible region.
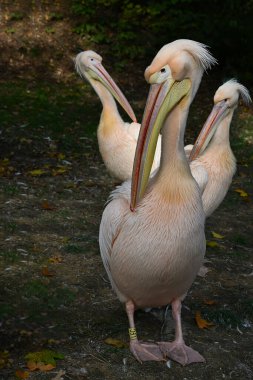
(116, 139)
(151, 236)
(213, 163)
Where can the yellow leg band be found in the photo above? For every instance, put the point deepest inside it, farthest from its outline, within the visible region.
(132, 333)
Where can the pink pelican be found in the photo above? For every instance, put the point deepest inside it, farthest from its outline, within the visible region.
(214, 161)
(116, 139)
(152, 238)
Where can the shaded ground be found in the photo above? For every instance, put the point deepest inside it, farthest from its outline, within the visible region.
(53, 186)
(55, 294)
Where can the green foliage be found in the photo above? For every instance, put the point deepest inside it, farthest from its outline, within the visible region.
(56, 16)
(137, 29)
(16, 16)
(9, 256)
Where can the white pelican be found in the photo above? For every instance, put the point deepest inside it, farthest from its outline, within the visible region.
(116, 139)
(152, 241)
(216, 157)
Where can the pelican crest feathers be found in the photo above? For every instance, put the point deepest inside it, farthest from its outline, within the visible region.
(198, 50)
(243, 91)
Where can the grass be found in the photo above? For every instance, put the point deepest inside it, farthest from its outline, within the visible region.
(11, 190)
(9, 256)
(41, 297)
(239, 239)
(74, 248)
(10, 227)
(58, 107)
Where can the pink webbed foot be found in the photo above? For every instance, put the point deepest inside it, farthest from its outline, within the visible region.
(146, 351)
(180, 353)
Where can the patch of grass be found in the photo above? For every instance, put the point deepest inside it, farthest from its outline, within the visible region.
(63, 296)
(56, 16)
(224, 317)
(10, 30)
(67, 112)
(238, 254)
(242, 138)
(10, 227)
(246, 308)
(50, 30)
(9, 256)
(11, 190)
(35, 288)
(239, 239)
(39, 298)
(64, 213)
(16, 16)
(5, 310)
(73, 248)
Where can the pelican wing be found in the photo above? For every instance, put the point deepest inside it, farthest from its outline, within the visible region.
(110, 227)
(200, 175)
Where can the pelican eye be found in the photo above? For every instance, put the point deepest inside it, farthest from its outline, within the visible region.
(163, 70)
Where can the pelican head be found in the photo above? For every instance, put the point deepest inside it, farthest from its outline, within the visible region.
(88, 64)
(174, 76)
(225, 102)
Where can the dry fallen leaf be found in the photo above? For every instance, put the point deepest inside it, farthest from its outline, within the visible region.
(42, 360)
(217, 236)
(116, 343)
(20, 374)
(5, 360)
(33, 366)
(36, 172)
(212, 244)
(53, 341)
(45, 367)
(46, 272)
(25, 333)
(202, 323)
(241, 192)
(45, 205)
(55, 259)
(24, 140)
(60, 170)
(61, 156)
(210, 302)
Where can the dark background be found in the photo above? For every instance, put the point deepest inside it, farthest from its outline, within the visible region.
(36, 36)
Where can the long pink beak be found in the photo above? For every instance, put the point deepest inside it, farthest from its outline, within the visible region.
(109, 83)
(161, 100)
(208, 129)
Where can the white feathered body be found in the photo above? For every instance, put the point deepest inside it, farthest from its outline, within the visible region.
(152, 255)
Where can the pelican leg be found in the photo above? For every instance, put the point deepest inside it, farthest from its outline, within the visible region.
(177, 350)
(141, 351)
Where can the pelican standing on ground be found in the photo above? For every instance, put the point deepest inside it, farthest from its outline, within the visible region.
(152, 241)
(116, 139)
(216, 156)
